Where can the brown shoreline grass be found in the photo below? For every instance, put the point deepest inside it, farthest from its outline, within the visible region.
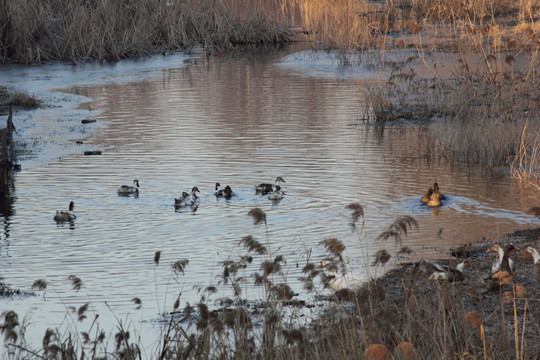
(36, 31)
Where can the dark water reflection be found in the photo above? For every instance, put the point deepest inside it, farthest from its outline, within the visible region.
(237, 122)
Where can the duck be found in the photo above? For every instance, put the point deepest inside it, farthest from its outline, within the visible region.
(504, 262)
(226, 193)
(339, 282)
(218, 191)
(434, 200)
(536, 260)
(277, 194)
(436, 190)
(194, 197)
(427, 196)
(182, 201)
(187, 200)
(63, 216)
(265, 189)
(127, 190)
(439, 272)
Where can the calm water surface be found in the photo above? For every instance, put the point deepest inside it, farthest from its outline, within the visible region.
(236, 121)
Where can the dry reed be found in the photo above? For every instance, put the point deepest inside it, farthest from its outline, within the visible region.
(36, 31)
(410, 314)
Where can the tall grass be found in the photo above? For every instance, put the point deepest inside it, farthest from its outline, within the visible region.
(402, 314)
(34, 31)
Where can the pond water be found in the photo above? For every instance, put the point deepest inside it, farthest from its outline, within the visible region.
(180, 121)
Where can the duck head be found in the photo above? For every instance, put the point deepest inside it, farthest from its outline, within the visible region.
(533, 252)
(461, 266)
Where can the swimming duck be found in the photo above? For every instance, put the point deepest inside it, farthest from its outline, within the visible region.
(339, 282)
(438, 191)
(504, 262)
(226, 193)
(187, 200)
(63, 216)
(182, 201)
(265, 189)
(434, 200)
(439, 272)
(427, 196)
(277, 194)
(218, 191)
(194, 197)
(127, 190)
(536, 260)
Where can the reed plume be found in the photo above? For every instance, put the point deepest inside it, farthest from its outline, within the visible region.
(377, 352)
(11, 321)
(398, 229)
(334, 247)
(80, 312)
(39, 284)
(356, 214)
(76, 282)
(253, 245)
(258, 215)
(179, 266)
(381, 257)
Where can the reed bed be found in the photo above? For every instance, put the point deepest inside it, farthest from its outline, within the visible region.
(36, 31)
(402, 315)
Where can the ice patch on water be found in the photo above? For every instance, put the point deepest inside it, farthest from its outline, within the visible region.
(51, 132)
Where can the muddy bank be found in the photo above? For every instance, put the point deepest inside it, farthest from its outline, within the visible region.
(446, 320)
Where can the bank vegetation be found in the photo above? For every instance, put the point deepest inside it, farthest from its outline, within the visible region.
(403, 315)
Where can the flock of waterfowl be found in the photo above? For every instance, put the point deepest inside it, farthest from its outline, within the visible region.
(503, 266)
(186, 200)
(337, 281)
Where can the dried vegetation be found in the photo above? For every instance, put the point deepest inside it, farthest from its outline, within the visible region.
(402, 315)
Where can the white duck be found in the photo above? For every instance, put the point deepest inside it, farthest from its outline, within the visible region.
(127, 190)
(343, 281)
(63, 216)
(504, 262)
(536, 260)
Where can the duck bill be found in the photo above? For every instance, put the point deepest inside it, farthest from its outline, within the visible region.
(491, 250)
